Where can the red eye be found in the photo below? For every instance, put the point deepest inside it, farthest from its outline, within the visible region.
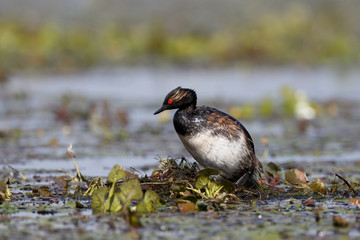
(170, 101)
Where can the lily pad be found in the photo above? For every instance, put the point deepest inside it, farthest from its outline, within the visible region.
(130, 190)
(116, 174)
(150, 203)
(98, 199)
(113, 204)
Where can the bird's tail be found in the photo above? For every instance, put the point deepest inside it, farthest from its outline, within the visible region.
(250, 178)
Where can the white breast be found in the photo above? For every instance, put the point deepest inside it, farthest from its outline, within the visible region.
(216, 151)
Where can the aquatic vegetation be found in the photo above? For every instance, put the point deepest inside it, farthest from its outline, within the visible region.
(267, 107)
(318, 187)
(113, 200)
(296, 177)
(293, 104)
(5, 193)
(295, 37)
(211, 188)
(178, 186)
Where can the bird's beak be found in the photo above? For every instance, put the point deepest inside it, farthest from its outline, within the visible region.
(160, 110)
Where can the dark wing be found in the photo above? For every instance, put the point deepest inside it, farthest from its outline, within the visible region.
(224, 124)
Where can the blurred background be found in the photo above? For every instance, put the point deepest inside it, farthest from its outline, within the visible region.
(92, 73)
(69, 36)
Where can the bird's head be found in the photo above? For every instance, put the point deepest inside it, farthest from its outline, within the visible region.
(179, 98)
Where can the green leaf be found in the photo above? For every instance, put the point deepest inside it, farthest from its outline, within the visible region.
(269, 173)
(113, 204)
(318, 186)
(214, 188)
(141, 208)
(98, 198)
(201, 181)
(151, 201)
(207, 172)
(130, 190)
(228, 186)
(116, 174)
(274, 167)
(151, 197)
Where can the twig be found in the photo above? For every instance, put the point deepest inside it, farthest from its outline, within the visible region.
(247, 191)
(163, 183)
(347, 183)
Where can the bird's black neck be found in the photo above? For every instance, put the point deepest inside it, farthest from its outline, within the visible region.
(183, 120)
(188, 108)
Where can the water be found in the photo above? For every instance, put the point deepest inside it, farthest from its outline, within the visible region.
(140, 91)
(144, 86)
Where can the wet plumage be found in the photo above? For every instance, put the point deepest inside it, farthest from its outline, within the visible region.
(214, 139)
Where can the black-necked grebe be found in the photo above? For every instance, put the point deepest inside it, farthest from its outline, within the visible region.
(215, 139)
